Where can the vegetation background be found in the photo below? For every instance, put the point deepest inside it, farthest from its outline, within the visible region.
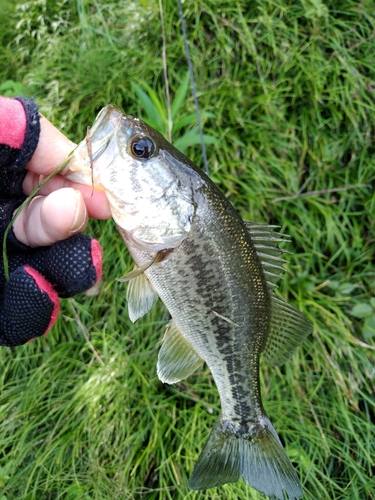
(287, 94)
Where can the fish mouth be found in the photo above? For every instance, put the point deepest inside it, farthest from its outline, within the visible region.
(82, 167)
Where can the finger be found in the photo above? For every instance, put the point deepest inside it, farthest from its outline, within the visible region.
(96, 200)
(52, 218)
(52, 151)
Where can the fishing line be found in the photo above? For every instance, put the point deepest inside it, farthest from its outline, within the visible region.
(21, 207)
(164, 54)
(89, 152)
(193, 86)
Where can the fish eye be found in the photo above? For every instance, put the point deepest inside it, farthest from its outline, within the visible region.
(143, 147)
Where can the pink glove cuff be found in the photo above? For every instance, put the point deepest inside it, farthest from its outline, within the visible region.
(12, 122)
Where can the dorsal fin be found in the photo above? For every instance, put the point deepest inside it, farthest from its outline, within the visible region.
(177, 359)
(266, 241)
(288, 330)
(288, 327)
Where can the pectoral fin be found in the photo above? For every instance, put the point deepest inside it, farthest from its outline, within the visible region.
(288, 330)
(137, 271)
(177, 359)
(140, 295)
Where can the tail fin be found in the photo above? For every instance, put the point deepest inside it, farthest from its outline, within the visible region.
(256, 454)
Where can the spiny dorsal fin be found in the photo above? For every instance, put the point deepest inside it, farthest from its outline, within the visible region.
(266, 241)
(177, 359)
(140, 295)
(288, 330)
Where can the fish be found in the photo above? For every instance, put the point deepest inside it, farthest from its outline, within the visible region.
(216, 275)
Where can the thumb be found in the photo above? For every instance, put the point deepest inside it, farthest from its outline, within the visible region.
(52, 218)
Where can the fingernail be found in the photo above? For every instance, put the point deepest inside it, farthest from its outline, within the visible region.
(80, 217)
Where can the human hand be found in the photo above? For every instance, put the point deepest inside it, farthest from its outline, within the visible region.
(45, 261)
(62, 207)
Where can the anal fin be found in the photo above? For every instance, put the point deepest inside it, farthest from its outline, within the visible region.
(177, 358)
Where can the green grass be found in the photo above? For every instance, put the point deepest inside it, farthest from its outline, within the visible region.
(287, 88)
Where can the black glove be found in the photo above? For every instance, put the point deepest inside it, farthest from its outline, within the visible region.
(29, 301)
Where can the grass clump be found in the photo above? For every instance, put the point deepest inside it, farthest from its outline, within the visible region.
(287, 89)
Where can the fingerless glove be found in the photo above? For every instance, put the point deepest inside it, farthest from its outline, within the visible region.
(29, 301)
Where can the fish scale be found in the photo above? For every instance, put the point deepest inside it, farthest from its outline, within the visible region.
(204, 291)
(216, 276)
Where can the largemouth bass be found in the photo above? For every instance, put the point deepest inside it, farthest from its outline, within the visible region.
(216, 275)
